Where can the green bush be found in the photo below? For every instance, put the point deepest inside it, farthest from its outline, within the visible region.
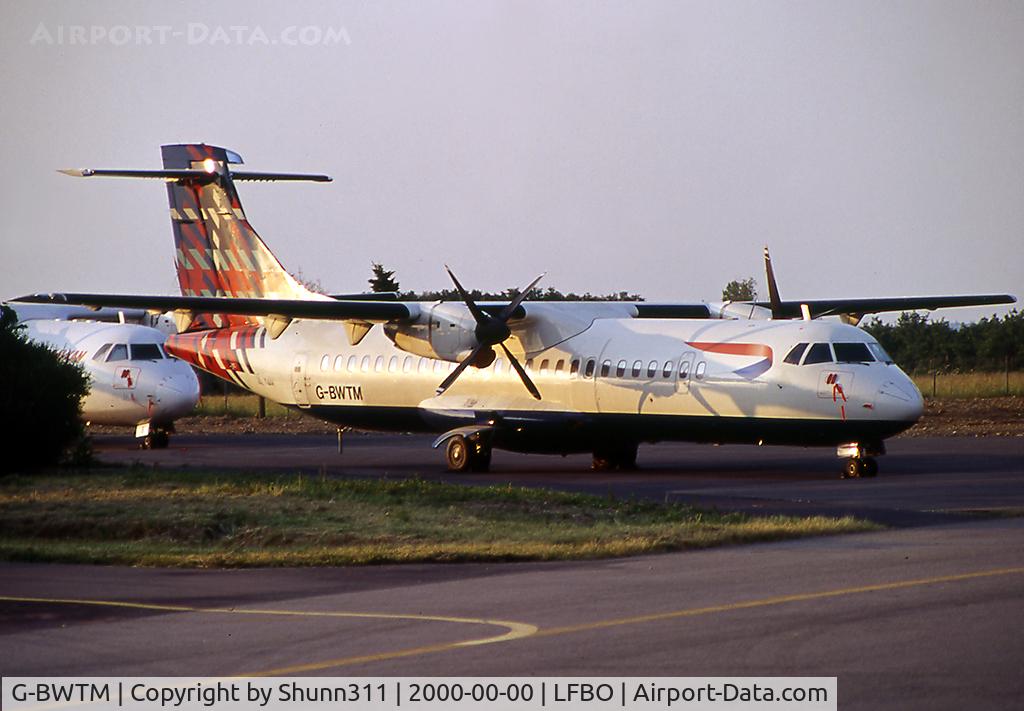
(40, 401)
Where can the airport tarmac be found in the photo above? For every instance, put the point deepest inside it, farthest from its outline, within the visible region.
(922, 480)
(923, 615)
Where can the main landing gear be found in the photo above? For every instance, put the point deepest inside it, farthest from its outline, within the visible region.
(621, 457)
(860, 460)
(471, 453)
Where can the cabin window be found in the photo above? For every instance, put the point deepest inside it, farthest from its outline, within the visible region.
(339, 363)
(684, 369)
(499, 365)
(852, 353)
(378, 364)
(819, 353)
(606, 367)
(574, 368)
(102, 351)
(118, 352)
(589, 372)
(438, 366)
(637, 367)
(325, 363)
(544, 366)
(880, 353)
(407, 365)
(620, 369)
(699, 372)
(393, 364)
(559, 366)
(364, 365)
(145, 351)
(352, 360)
(669, 367)
(652, 368)
(529, 363)
(793, 357)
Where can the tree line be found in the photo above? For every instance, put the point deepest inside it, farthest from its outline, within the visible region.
(384, 281)
(921, 345)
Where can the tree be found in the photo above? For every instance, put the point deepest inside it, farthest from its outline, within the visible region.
(383, 279)
(740, 290)
(40, 403)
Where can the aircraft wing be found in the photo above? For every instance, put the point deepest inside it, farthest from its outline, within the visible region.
(331, 309)
(832, 307)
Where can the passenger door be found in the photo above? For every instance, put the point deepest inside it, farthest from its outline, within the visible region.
(300, 384)
(685, 372)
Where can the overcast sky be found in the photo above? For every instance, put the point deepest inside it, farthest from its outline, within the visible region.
(655, 147)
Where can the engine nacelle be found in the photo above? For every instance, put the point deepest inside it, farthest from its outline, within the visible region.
(739, 310)
(445, 330)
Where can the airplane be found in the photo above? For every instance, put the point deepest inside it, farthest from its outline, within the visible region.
(540, 377)
(132, 380)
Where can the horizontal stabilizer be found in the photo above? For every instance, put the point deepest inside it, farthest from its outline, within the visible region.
(192, 175)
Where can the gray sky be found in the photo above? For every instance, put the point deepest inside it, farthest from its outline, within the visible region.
(877, 147)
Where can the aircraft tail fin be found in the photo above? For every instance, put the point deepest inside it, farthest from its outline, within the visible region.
(217, 251)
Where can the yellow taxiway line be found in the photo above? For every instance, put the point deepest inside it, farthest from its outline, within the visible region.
(519, 630)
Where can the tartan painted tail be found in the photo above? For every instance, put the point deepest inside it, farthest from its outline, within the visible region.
(217, 251)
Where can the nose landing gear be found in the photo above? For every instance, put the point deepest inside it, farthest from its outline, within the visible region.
(860, 460)
(860, 467)
(158, 438)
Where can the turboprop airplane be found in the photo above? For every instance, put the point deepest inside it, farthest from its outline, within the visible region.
(132, 380)
(542, 377)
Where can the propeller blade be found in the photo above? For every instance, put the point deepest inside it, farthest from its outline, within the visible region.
(773, 288)
(522, 373)
(506, 312)
(479, 315)
(454, 375)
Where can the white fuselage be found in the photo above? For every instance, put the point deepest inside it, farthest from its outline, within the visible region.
(642, 379)
(132, 381)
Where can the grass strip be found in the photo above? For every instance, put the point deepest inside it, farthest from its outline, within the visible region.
(154, 517)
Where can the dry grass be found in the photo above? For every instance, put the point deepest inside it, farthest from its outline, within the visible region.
(229, 520)
(962, 385)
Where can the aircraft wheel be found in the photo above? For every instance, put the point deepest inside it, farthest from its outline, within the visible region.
(869, 467)
(851, 468)
(457, 454)
(623, 458)
(626, 457)
(480, 461)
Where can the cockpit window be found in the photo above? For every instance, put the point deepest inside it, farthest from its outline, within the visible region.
(853, 353)
(818, 353)
(880, 353)
(793, 357)
(102, 352)
(145, 351)
(118, 352)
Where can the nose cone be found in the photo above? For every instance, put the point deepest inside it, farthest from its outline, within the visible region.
(899, 400)
(176, 394)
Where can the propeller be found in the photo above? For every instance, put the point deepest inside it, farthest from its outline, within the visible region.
(490, 331)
